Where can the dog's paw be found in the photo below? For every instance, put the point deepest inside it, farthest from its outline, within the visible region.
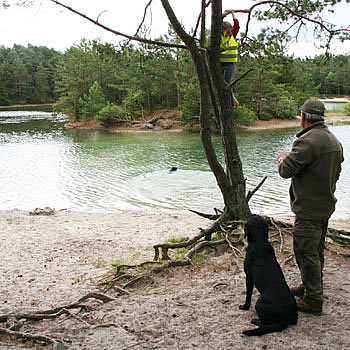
(256, 321)
(249, 332)
(244, 307)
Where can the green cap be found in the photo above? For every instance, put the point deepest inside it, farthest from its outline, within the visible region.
(313, 107)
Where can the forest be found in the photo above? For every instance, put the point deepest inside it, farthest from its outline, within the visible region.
(97, 80)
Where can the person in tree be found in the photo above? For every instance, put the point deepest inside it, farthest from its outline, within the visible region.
(229, 50)
(314, 165)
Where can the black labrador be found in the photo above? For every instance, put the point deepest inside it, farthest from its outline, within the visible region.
(276, 306)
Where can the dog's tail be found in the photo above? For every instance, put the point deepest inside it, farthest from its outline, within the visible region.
(278, 327)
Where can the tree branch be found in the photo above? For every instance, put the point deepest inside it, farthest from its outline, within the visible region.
(331, 32)
(134, 38)
(251, 193)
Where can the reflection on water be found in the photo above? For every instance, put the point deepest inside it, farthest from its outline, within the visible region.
(43, 164)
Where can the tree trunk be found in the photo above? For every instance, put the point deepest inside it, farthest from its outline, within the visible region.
(230, 181)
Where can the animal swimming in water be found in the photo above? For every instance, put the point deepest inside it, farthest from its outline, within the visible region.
(173, 169)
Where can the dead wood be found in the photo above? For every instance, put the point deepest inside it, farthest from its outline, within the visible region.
(133, 274)
(255, 189)
(133, 345)
(215, 227)
(207, 216)
(287, 260)
(152, 121)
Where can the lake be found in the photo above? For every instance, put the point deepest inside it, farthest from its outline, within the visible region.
(44, 164)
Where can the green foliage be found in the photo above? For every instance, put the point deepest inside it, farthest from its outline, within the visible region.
(244, 116)
(110, 112)
(27, 74)
(65, 105)
(92, 102)
(283, 105)
(144, 78)
(137, 78)
(134, 99)
(191, 101)
(346, 108)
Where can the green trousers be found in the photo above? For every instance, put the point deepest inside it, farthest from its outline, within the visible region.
(308, 243)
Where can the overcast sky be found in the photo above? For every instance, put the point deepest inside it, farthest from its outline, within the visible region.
(50, 25)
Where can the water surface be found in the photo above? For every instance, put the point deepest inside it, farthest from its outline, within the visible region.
(44, 164)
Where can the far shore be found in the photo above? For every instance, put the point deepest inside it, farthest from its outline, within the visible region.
(27, 105)
(172, 125)
(330, 118)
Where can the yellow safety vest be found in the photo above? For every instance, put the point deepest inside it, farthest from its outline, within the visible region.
(228, 49)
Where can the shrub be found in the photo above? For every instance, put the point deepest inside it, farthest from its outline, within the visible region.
(134, 99)
(191, 102)
(285, 107)
(110, 112)
(281, 103)
(65, 105)
(244, 116)
(93, 102)
(346, 108)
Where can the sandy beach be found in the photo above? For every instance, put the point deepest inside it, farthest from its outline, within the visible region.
(49, 261)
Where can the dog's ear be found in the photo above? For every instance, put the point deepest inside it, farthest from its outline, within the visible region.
(247, 227)
(246, 230)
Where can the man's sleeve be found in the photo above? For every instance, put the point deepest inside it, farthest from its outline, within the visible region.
(297, 159)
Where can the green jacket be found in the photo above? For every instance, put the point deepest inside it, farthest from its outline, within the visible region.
(314, 164)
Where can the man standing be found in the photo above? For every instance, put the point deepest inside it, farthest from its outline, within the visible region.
(314, 165)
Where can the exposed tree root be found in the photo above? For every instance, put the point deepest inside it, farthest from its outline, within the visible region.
(337, 252)
(338, 237)
(56, 344)
(15, 321)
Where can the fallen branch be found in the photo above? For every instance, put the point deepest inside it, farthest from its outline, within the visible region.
(206, 216)
(152, 121)
(286, 261)
(255, 189)
(133, 345)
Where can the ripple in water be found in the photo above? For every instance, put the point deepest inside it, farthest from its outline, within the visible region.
(44, 164)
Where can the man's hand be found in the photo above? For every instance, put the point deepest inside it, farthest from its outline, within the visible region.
(281, 156)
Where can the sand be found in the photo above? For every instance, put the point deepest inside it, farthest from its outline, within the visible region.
(49, 261)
